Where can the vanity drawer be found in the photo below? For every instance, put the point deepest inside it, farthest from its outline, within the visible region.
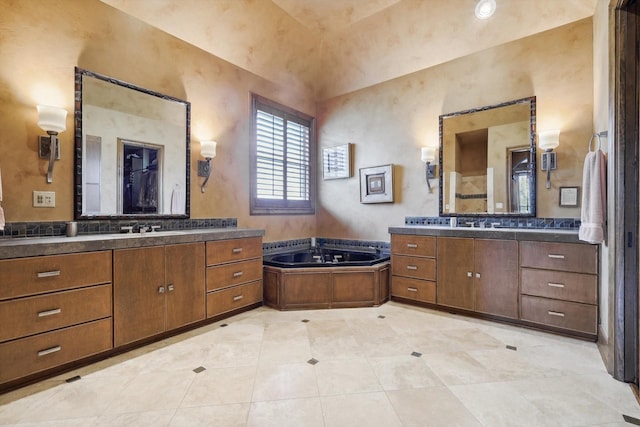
(28, 316)
(414, 289)
(40, 352)
(413, 245)
(561, 314)
(416, 267)
(28, 276)
(225, 275)
(229, 299)
(222, 251)
(576, 287)
(579, 258)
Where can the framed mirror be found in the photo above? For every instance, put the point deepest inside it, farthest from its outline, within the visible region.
(488, 160)
(123, 134)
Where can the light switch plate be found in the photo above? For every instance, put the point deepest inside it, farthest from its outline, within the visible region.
(44, 199)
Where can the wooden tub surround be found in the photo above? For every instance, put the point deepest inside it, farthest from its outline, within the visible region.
(326, 287)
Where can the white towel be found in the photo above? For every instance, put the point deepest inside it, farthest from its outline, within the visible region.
(177, 200)
(2, 222)
(594, 198)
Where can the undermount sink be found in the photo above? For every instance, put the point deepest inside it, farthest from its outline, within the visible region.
(149, 234)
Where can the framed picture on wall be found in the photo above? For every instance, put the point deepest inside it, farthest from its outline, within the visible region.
(336, 162)
(376, 184)
(569, 196)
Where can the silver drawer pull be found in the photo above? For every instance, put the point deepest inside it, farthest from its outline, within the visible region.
(237, 250)
(553, 256)
(412, 267)
(49, 351)
(238, 297)
(49, 273)
(556, 285)
(412, 289)
(555, 313)
(238, 274)
(412, 245)
(49, 312)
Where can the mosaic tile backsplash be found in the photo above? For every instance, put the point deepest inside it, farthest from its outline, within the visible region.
(58, 228)
(270, 248)
(503, 222)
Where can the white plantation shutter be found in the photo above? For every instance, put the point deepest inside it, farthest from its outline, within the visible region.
(282, 178)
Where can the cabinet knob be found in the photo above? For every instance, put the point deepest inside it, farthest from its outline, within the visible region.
(170, 287)
(477, 275)
(161, 290)
(469, 274)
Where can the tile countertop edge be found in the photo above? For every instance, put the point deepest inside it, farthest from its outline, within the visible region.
(37, 246)
(541, 235)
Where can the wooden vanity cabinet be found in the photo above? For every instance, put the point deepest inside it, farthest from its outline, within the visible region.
(413, 267)
(157, 289)
(559, 285)
(234, 274)
(53, 310)
(479, 275)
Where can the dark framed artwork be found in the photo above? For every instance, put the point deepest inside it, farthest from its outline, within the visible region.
(376, 184)
(569, 197)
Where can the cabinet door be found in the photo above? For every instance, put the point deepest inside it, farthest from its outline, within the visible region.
(185, 284)
(455, 272)
(496, 277)
(139, 293)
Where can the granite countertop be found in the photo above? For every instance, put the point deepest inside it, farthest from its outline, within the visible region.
(36, 246)
(536, 234)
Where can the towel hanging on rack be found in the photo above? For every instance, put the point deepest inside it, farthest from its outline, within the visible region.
(594, 195)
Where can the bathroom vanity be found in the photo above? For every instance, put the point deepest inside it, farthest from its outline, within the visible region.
(71, 300)
(545, 279)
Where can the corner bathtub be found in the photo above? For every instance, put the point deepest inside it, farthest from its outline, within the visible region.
(325, 279)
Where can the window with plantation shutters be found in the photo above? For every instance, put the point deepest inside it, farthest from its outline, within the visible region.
(282, 166)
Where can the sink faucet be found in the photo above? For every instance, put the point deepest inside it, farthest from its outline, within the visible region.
(143, 229)
(470, 224)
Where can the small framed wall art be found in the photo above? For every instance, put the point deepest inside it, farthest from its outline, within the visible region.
(336, 162)
(569, 197)
(376, 184)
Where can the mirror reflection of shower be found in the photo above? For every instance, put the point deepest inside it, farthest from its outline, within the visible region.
(141, 177)
(521, 177)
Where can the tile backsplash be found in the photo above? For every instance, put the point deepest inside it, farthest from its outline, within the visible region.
(58, 228)
(500, 221)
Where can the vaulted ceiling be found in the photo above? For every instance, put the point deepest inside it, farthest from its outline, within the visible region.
(331, 47)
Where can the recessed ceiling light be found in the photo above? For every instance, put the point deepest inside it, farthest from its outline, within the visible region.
(485, 8)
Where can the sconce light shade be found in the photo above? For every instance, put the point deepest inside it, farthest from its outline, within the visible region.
(485, 8)
(428, 154)
(549, 140)
(208, 149)
(52, 119)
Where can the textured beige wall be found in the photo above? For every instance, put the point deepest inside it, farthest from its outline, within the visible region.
(40, 44)
(389, 122)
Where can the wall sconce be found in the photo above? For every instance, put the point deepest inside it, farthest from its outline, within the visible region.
(52, 120)
(548, 141)
(428, 155)
(208, 151)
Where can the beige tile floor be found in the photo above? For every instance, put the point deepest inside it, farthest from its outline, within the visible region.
(394, 365)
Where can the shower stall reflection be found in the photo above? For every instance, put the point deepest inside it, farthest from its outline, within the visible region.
(141, 177)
